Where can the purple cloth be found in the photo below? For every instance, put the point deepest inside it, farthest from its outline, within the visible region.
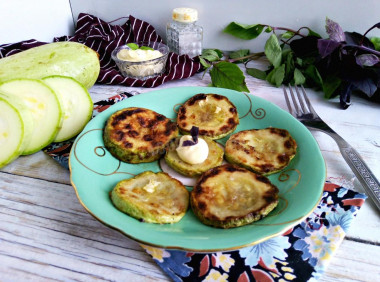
(104, 37)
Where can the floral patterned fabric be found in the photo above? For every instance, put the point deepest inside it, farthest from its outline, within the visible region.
(300, 254)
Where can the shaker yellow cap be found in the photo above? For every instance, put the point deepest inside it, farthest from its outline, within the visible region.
(185, 15)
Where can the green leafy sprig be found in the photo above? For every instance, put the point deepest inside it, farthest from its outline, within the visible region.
(223, 67)
(339, 65)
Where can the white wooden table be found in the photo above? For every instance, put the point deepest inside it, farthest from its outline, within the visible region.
(45, 233)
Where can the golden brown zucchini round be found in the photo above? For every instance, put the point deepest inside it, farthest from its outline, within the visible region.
(151, 197)
(137, 135)
(213, 114)
(214, 158)
(231, 196)
(264, 151)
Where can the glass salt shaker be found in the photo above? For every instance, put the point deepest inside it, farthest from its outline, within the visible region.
(182, 34)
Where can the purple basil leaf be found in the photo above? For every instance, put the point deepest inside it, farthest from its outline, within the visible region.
(326, 47)
(305, 47)
(194, 131)
(366, 85)
(354, 38)
(188, 143)
(334, 31)
(377, 77)
(367, 60)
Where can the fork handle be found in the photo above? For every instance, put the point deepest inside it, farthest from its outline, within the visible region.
(365, 176)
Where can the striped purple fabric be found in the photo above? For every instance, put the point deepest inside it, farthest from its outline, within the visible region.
(104, 37)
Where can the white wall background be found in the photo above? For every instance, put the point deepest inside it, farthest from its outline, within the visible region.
(34, 19)
(214, 15)
(45, 19)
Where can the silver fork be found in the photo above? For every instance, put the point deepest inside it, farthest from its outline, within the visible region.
(305, 113)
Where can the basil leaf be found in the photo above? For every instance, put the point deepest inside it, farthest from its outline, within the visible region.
(268, 29)
(194, 131)
(204, 63)
(273, 51)
(376, 42)
(327, 47)
(256, 73)
(228, 75)
(367, 60)
(366, 85)
(287, 35)
(313, 33)
(187, 143)
(305, 47)
(330, 85)
(277, 75)
(299, 78)
(289, 63)
(238, 54)
(219, 52)
(356, 39)
(244, 31)
(133, 46)
(335, 31)
(312, 73)
(146, 48)
(211, 55)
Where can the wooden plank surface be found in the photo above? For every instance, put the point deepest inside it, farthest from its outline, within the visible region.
(46, 235)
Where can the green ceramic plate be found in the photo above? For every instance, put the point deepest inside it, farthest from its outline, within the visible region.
(94, 172)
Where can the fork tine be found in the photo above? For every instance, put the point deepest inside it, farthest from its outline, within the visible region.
(311, 109)
(301, 100)
(287, 100)
(294, 99)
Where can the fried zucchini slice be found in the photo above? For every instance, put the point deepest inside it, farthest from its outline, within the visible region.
(213, 114)
(214, 158)
(151, 197)
(138, 135)
(230, 196)
(264, 151)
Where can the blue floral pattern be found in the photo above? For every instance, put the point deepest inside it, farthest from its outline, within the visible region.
(300, 255)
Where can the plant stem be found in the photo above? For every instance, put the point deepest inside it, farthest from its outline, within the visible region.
(361, 47)
(296, 32)
(250, 56)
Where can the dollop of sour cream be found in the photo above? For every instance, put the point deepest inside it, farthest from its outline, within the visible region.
(138, 55)
(194, 154)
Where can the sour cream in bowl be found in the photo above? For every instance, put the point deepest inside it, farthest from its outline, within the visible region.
(141, 60)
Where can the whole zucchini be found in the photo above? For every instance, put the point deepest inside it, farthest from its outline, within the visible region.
(60, 58)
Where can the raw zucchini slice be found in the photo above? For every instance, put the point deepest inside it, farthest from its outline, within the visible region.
(231, 196)
(59, 58)
(76, 104)
(152, 197)
(15, 129)
(264, 151)
(214, 158)
(44, 107)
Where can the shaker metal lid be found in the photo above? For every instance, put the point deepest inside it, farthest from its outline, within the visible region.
(185, 15)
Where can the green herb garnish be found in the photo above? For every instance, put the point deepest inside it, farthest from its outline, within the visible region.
(134, 46)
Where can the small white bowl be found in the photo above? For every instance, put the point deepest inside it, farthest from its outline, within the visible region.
(143, 69)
